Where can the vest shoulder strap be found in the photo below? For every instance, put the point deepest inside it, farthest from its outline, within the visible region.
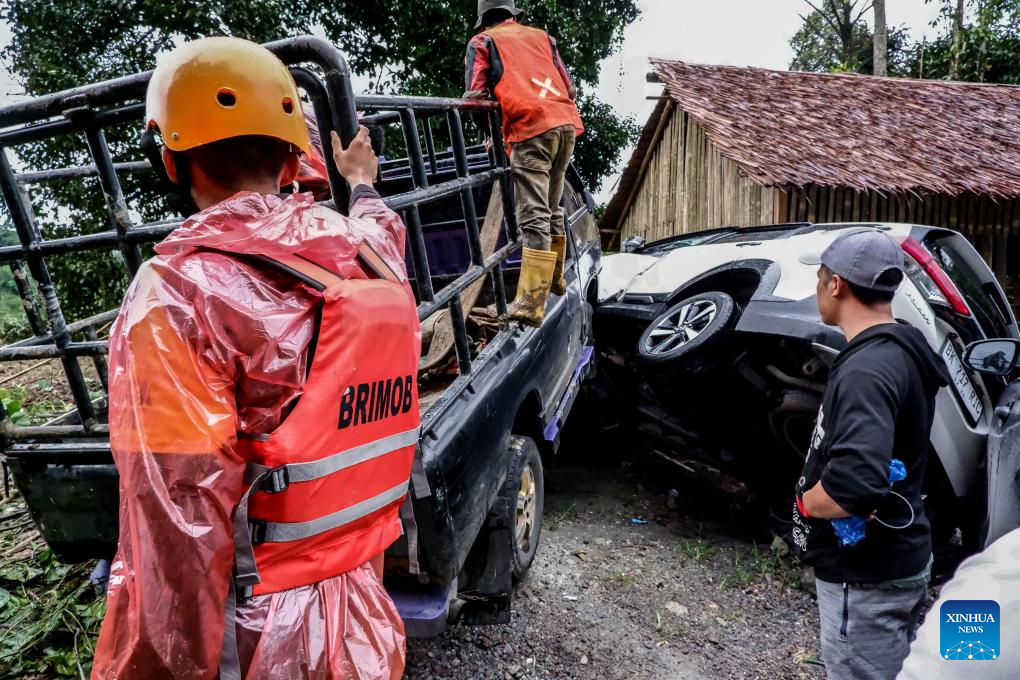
(304, 270)
(317, 277)
(375, 265)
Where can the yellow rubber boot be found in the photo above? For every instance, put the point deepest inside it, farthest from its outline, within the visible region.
(559, 284)
(533, 287)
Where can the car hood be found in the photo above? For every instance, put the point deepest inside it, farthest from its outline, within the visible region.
(620, 270)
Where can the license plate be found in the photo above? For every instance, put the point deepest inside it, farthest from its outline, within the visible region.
(962, 384)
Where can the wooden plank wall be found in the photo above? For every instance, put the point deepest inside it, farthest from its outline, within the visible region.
(689, 186)
(993, 227)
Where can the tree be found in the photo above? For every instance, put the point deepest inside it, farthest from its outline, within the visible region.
(408, 46)
(835, 38)
(982, 51)
(954, 68)
(414, 46)
(836, 25)
(881, 67)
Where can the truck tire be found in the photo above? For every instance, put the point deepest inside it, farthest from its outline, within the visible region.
(525, 490)
(687, 326)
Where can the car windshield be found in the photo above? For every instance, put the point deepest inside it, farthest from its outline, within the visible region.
(731, 235)
(669, 245)
(748, 236)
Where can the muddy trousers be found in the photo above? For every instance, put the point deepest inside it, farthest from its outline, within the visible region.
(866, 631)
(539, 167)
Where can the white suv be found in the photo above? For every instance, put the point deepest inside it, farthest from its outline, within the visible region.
(713, 343)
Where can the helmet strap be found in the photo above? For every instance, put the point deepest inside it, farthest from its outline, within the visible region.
(179, 199)
(178, 195)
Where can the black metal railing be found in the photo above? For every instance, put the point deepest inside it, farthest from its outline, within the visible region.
(90, 109)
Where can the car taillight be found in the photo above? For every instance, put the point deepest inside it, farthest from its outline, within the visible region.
(932, 279)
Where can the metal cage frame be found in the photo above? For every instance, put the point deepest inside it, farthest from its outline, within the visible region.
(79, 435)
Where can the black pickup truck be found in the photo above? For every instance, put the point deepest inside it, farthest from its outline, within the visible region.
(491, 407)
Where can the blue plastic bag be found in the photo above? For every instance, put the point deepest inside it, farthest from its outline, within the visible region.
(850, 530)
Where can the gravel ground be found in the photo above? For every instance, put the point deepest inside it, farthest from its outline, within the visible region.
(632, 581)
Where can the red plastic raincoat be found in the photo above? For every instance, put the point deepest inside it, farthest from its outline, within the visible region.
(207, 346)
(312, 175)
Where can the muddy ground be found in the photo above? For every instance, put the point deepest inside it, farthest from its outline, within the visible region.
(643, 572)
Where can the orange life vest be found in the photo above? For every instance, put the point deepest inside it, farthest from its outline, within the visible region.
(326, 486)
(531, 91)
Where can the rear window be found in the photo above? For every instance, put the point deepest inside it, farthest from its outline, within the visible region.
(977, 287)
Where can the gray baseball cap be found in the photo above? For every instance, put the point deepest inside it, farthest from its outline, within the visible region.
(861, 257)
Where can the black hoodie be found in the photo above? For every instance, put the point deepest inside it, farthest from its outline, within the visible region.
(878, 405)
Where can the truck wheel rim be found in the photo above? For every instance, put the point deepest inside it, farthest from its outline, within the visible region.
(681, 327)
(526, 502)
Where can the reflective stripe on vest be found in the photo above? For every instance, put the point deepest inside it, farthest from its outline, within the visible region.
(326, 486)
(282, 532)
(531, 91)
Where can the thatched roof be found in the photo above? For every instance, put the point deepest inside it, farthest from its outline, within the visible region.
(889, 135)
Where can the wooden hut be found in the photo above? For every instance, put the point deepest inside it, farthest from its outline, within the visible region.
(747, 146)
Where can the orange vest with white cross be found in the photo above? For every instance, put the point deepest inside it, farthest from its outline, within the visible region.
(531, 91)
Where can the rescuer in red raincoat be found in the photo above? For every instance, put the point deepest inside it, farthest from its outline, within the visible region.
(208, 359)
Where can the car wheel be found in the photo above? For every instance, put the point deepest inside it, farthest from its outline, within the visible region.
(525, 489)
(687, 326)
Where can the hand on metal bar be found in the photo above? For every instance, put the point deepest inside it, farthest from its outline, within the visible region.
(357, 163)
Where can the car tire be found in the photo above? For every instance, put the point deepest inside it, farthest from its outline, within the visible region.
(525, 492)
(687, 327)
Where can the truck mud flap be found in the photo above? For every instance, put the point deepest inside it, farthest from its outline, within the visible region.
(488, 586)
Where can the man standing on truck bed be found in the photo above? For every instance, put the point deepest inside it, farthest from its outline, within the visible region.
(263, 401)
(521, 67)
(878, 406)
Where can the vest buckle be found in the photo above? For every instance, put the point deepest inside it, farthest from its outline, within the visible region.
(276, 480)
(257, 531)
(243, 593)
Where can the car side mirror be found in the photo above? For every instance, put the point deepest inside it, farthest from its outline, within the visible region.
(589, 202)
(632, 243)
(997, 356)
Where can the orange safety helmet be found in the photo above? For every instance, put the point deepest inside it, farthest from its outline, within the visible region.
(216, 88)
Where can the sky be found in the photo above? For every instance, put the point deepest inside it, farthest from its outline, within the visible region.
(732, 32)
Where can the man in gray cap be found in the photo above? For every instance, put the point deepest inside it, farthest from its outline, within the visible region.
(878, 406)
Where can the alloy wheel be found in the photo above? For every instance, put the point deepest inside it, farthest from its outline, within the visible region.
(681, 327)
(527, 501)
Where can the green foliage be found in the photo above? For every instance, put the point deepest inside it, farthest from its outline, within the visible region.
(987, 49)
(36, 409)
(417, 47)
(838, 40)
(410, 46)
(49, 613)
(13, 400)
